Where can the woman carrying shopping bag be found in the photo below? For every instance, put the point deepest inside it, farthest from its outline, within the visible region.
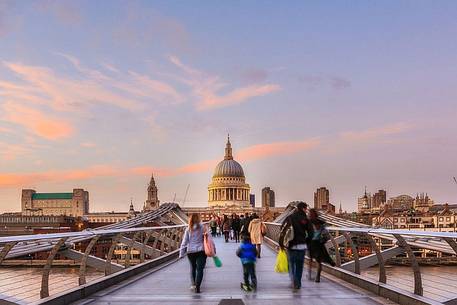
(193, 245)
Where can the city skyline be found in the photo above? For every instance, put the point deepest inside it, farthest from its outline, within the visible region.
(342, 96)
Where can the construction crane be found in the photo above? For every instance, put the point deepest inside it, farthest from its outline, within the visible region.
(185, 195)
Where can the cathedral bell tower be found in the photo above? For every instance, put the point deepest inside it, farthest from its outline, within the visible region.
(152, 202)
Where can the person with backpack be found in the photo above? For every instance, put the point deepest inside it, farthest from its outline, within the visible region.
(247, 253)
(295, 235)
(245, 225)
(317, 250)
(193, 245)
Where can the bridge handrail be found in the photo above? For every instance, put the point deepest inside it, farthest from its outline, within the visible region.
(86, 234)
(388, 231)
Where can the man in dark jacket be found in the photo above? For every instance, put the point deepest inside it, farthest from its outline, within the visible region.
(245, 225)
(302, 233)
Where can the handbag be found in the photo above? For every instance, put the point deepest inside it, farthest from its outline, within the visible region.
(209, 246)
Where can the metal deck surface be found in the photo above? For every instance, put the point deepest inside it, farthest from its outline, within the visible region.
(170, 285)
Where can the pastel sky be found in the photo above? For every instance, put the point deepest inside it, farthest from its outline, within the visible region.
(343, 94)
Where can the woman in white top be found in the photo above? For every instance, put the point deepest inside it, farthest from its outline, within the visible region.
(192, 244)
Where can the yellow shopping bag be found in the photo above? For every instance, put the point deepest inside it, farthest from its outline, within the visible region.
(282, 265)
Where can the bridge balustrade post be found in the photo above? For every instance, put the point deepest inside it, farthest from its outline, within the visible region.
(108, 269)
(44, 292)
(82, 268)
(6, 249)
(355, 252)
(418, 289)
(129, 249)
(337, 251)
(382, 268)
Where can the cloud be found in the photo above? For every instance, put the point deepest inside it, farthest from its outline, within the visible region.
(29, 179)
(376, 132)
(207, 88)
(236, 96)
(261, 151)
(248, 154)
(75, 96)
(36, 122)
(40, 85)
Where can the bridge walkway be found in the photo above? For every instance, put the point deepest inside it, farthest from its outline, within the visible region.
(170, 285)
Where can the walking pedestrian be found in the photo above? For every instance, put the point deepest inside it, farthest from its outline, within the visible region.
(226, 227)
(192, 244)
(247, 253)
(297, 243)
(213, 226)
(257, 231)
(245, 224)
(318, 251)
(236, 227)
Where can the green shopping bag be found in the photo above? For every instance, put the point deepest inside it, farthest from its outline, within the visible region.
(217, 261)
(282, 265)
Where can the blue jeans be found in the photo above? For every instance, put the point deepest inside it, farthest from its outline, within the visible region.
(296, 260)
(249, 272)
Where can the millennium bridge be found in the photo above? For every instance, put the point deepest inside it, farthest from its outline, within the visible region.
(158, 276)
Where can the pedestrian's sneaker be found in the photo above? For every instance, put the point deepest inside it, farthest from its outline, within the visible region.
(192, 287)
(245, 287)
(254, 287)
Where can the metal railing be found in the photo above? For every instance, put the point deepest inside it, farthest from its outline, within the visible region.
(150, 243)
(404, 242)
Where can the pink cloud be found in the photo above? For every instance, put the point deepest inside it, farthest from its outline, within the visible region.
(373, 133)
(237, 96)
(207, 88)
(36, 122)
(252, 153)
(267, 150)
(28, 179)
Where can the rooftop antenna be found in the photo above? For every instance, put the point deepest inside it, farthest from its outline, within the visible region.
(174, 197)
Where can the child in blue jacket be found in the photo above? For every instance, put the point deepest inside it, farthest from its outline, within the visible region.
(247, 252)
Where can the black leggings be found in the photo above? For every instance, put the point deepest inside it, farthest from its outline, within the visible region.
(197, 262)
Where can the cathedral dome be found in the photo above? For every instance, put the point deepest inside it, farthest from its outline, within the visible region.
(228, 187)
(228, 168)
